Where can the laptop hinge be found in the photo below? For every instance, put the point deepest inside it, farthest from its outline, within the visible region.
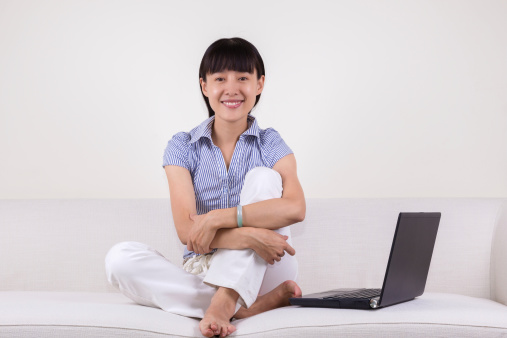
(374, 302)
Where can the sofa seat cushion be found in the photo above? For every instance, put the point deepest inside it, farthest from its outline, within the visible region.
(66, 314)
(86, 314)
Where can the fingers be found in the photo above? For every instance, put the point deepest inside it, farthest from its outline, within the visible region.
(203, 250)
(194, 247)
(275, 257)
(290, 250)
(193, 244)
(268, 258)
(200, 249)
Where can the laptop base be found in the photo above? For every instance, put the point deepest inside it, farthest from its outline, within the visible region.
(341, 298)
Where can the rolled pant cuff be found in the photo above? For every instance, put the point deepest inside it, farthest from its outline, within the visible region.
(246, 299)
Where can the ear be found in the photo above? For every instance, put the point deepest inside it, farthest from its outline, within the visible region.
(203, 86)
(260, 85)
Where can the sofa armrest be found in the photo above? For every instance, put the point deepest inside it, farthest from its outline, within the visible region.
(499, 257)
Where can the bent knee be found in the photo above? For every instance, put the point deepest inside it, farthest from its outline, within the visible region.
(260, 184)
(264, 174)
(117, 258)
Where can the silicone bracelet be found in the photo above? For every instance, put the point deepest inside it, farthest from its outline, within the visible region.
(240, 216)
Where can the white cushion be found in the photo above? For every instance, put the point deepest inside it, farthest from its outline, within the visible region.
(65, 314)
(60, 245)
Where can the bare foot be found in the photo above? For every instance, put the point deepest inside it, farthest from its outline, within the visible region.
(216, 320)
(278, 297)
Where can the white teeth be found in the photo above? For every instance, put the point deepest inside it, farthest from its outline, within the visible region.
(231, 103)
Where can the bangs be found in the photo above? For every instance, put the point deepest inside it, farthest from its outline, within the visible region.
(229, 54)
(230, 59)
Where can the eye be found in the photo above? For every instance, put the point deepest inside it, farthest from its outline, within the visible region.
(219, 79)
(244, 77)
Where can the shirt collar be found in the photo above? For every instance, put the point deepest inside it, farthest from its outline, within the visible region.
(204, 129)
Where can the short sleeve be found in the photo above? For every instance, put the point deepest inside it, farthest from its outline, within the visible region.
(275, 147)
(177, 151)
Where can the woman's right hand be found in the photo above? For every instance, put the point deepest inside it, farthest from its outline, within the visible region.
(269, 245)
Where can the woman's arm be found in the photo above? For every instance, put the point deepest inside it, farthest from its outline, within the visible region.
(268, 244)
(181, 190)
(269, 214)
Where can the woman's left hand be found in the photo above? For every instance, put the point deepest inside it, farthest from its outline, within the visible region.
(201, 234)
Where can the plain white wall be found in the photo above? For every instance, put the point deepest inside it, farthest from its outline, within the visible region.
(376, 98)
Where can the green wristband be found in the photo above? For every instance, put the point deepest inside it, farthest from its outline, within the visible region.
(240, 216)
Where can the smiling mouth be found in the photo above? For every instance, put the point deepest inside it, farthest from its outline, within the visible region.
(232, 104)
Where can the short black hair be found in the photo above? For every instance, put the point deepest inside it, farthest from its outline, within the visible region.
(235, 54)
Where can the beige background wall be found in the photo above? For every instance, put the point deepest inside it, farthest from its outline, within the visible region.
(376, 98)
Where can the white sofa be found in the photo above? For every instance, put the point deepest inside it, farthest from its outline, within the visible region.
(53, 283)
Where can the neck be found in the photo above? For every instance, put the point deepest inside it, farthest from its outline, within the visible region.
(228, 133)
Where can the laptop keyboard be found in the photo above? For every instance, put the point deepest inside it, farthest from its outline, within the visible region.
(361, 293)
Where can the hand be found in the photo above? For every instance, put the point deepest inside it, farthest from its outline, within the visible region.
(270, 245)
(201, 234)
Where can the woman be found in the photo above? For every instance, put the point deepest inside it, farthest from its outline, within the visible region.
(234, 192)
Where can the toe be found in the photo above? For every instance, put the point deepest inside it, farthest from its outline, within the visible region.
(224, 331)
(205, 329)
(215, 328)
(297, 291)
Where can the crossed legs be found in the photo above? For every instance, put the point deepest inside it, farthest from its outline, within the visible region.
(238, 284)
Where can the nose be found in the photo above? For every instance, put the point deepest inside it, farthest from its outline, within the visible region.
(232, 87)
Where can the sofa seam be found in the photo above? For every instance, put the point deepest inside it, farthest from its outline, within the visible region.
(272, 330)
(392, 323)
(493, 245)
(97, 326)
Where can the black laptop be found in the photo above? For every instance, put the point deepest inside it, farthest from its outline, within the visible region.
(406, 273)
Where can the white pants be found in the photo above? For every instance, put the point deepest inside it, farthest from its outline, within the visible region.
(142, 274)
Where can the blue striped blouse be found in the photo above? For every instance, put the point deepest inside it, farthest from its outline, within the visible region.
(216, 187)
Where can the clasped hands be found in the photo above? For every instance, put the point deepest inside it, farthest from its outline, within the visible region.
(268, 244)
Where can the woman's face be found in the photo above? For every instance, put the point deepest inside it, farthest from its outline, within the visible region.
(232, 94)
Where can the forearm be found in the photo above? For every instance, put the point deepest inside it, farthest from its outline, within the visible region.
(269, 214)
(233, 238)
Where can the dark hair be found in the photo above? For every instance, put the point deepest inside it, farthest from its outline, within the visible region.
(235, 54)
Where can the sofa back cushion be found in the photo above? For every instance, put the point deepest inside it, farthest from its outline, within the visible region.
(346, 243)
(60, 245)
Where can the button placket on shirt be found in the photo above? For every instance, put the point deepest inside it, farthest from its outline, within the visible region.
(227, 177)
(231, 174)
(226, 192)
(220, 163)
